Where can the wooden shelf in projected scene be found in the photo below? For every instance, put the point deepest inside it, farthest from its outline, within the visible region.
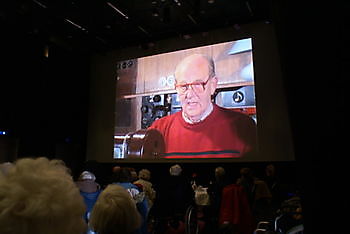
(220, 86)
(147, 94)
(235, 84)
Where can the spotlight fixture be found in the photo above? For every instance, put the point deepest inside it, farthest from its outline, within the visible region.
(40, 4)
(177, 2)
(76, 25)
(117, 10)
(191, 18)
(143, 30)
(46, 51)
(155, 12)
(249, 8)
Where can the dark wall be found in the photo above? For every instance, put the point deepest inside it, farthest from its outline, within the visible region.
(314, 49)
(43, 100)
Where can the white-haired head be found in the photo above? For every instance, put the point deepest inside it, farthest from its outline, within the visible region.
(39, 196)
(175, 170)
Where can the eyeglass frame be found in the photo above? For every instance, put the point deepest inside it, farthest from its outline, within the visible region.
(187, 85)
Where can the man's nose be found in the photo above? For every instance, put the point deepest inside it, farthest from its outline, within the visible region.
(190, 92)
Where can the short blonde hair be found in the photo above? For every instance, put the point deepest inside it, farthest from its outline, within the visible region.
(114, 212)
(39, 196)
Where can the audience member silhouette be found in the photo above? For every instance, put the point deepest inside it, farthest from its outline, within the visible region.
(235, 213)
(144, 180)
(115, 174)
(125, 180)
(259, 195)
(215, 192)
(39, 196)
(270, 176)
(90, 190)
(173, 198)
(247, 180)
(133, 173)
(275, 186)
(115, 212)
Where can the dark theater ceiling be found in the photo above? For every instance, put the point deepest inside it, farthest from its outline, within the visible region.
(100, 25)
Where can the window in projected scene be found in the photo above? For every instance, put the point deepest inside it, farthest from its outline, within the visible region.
(146, 92)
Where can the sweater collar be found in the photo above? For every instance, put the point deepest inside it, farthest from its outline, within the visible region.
(204, 116)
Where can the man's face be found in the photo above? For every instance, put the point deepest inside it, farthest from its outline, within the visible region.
(195, 103)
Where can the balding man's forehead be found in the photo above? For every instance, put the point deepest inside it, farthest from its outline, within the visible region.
(192, 64)
(193, 59)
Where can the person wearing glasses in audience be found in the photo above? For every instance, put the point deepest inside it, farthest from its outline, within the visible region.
(203, 129)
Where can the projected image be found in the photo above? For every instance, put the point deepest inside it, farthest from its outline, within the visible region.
(197, 103)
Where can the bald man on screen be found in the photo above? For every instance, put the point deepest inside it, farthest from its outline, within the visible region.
(203, 129)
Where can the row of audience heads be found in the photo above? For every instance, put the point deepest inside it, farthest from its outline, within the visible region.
(38, 195)
(121, 173)
(129, 174)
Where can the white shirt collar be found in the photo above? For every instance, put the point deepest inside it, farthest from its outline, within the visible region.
(205, 115)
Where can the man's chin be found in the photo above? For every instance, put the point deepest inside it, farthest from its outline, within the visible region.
(192, 115)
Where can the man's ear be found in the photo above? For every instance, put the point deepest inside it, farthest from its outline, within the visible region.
(214, 84)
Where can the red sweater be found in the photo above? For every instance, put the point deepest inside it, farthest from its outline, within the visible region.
(223, 134)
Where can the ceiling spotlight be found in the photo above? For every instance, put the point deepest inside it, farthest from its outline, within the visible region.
(40, 4)
(143, 30)
(46, 51)
(117, 10)
(101, 39)
(249, 8)
(76, 25)
(177, 2)
(155, 12)
(191, 18)
(211, 1)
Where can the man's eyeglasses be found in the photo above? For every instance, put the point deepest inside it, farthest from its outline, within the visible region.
(197, 87)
